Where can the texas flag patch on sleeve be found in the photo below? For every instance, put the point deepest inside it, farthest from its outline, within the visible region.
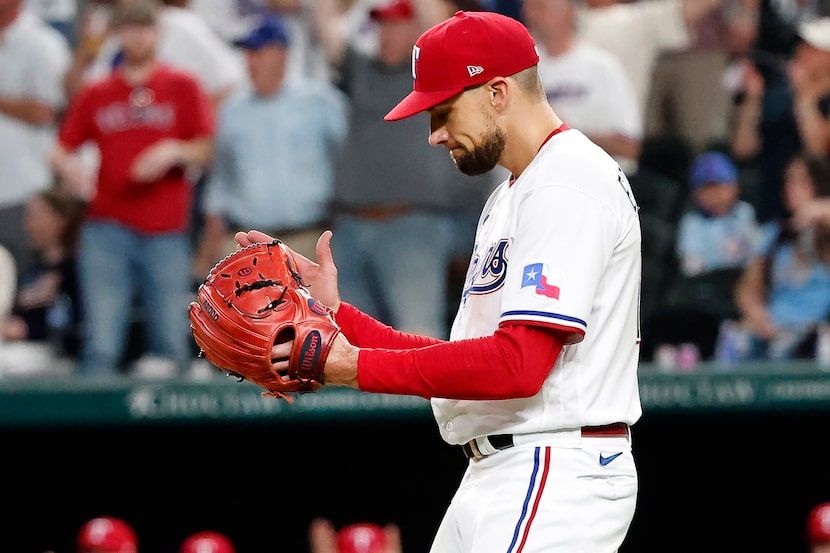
(542, 280)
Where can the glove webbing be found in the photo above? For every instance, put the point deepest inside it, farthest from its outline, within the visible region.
(257, 285)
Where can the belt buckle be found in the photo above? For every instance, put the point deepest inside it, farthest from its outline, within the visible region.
(490, 446)
(471, 450)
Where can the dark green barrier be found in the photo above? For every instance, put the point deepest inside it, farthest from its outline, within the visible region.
(71, 401)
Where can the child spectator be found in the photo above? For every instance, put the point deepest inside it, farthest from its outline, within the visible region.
(721, 231)
(716, 238)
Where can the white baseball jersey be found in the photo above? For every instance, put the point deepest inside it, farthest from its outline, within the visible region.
(559, 247)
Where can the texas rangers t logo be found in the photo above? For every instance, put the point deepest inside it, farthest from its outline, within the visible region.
(542, 282)
(416, 55)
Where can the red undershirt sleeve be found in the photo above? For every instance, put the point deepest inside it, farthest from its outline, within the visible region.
(364, 331)
(511, 363)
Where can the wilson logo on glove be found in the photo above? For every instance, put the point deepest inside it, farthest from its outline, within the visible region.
(310, 354)
(248, 300)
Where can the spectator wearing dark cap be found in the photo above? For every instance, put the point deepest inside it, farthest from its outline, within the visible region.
(277, 140)
(402, 211)
(818, 528)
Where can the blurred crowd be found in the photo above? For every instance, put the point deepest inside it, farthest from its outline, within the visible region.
(109, 534)
(139, 135)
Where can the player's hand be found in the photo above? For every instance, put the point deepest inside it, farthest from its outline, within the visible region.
(321, 277)
(341, 362)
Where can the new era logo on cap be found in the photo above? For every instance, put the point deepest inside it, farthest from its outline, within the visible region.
(467, 49)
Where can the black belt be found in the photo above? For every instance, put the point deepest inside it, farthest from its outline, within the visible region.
(505, 441)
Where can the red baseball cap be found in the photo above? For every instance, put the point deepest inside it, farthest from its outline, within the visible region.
(207, 542)
(363, 537)
(468, 49)
(399, 9)
(109, 534)
(818, 524)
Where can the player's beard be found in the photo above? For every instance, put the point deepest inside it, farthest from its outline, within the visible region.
(482, 158)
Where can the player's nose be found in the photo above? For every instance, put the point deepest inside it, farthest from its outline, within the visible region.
(439, 136)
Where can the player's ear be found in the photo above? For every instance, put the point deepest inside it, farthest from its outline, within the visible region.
(497, 91)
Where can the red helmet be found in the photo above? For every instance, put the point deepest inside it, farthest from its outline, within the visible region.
(207, 542)
(363, 537)
(818, 524)
(107, 534)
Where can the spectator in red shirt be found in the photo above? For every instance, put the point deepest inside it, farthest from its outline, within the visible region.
(151, 124)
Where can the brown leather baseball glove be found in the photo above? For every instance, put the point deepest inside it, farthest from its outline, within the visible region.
(252, 299)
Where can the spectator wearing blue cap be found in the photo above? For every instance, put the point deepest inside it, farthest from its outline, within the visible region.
(716, 239)
(277, 140)
(721, 231)
(270, 31)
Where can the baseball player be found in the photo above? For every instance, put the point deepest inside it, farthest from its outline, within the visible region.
(538, 382)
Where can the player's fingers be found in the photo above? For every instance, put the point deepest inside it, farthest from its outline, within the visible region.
(303, 263)
(259, 236)
(324, 255)
(242, 239)
(280, 352)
